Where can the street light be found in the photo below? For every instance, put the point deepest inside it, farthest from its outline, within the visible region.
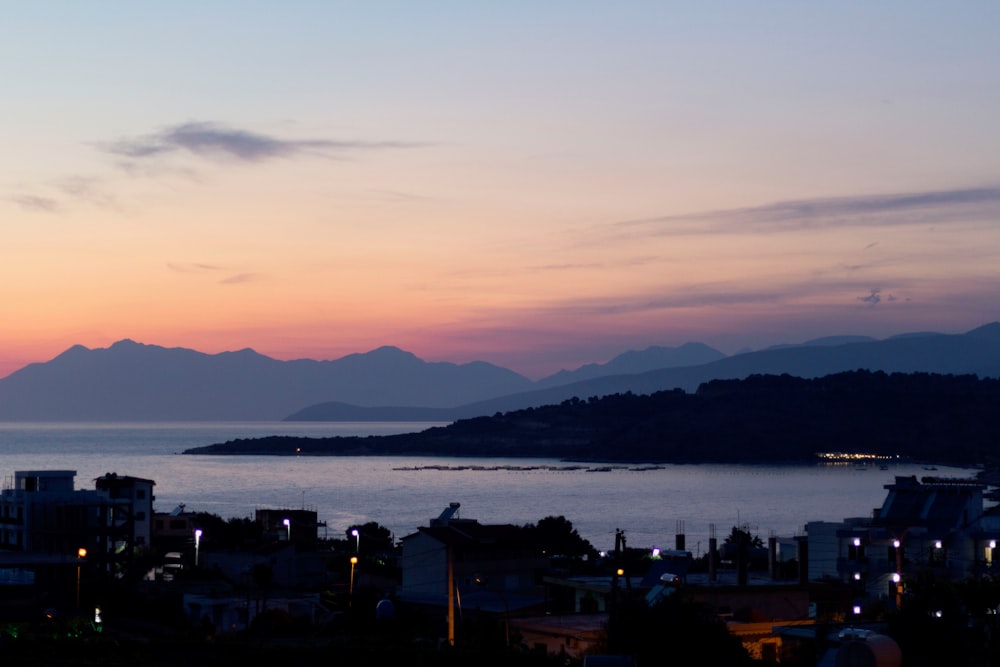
(356, 534)
(81, 553)
(197, 543)
(288, 527)
(350, 591)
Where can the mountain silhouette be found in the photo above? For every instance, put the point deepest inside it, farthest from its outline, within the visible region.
(976, 352)
(131, 381)
(631, 362)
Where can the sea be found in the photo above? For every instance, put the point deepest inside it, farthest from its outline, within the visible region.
(651, 504)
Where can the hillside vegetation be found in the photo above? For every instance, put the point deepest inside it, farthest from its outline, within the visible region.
(763, 418)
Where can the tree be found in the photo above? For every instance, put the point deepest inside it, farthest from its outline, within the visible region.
(742, 536)
(676, 630)
(555, 536)
(372, 537)
(221, 533)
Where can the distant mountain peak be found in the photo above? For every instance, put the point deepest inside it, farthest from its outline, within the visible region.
(387, 354)
(632, 362)
(989, 331)
(390, 349)
(126, 344)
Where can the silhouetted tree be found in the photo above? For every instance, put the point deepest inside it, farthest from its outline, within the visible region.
(222, 533)
(675, 631)
(743, 536)
(556, 536)
(372, 537)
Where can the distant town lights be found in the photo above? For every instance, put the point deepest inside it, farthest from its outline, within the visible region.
(854, 457)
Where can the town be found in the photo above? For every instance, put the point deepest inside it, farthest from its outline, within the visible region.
(104, 567)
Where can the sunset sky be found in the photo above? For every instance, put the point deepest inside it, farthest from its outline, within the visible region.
(534, 184)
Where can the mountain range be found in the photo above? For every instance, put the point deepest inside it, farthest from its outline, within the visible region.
(131, 381)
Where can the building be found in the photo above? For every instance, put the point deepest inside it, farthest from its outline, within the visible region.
(934, 526)
(174, 531)
(493, 567)
(52, 534)
(43, 514)
(299, 526)
(130, 511)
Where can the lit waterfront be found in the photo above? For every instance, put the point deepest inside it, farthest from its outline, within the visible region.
(650, 503)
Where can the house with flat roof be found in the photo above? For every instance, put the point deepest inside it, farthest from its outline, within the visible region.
(492, 567)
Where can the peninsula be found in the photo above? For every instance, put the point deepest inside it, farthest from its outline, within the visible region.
(761, 419)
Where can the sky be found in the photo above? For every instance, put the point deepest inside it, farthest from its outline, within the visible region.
(538, 185)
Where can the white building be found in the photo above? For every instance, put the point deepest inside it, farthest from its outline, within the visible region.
(936, 526)
(44, 519)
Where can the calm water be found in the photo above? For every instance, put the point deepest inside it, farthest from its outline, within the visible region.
(402, 493)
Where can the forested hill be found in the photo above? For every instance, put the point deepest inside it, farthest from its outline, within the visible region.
(763, 418)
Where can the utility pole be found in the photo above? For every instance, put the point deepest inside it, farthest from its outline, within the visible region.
(451, 597)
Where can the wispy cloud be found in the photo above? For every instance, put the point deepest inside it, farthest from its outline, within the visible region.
(87, 190)
(626, 262)
(36, 203)
(714, 295)
(873, 298)
(218, 142)
(686, 296)
(192, 267)
(62, 196)
(931, 207)
(395, 196)
(240, 278)
(212, 269)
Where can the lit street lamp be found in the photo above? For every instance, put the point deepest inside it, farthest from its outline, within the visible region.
(357, 540)
(350, 591)
(197, 543)
(288, 527)
(81, 553)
